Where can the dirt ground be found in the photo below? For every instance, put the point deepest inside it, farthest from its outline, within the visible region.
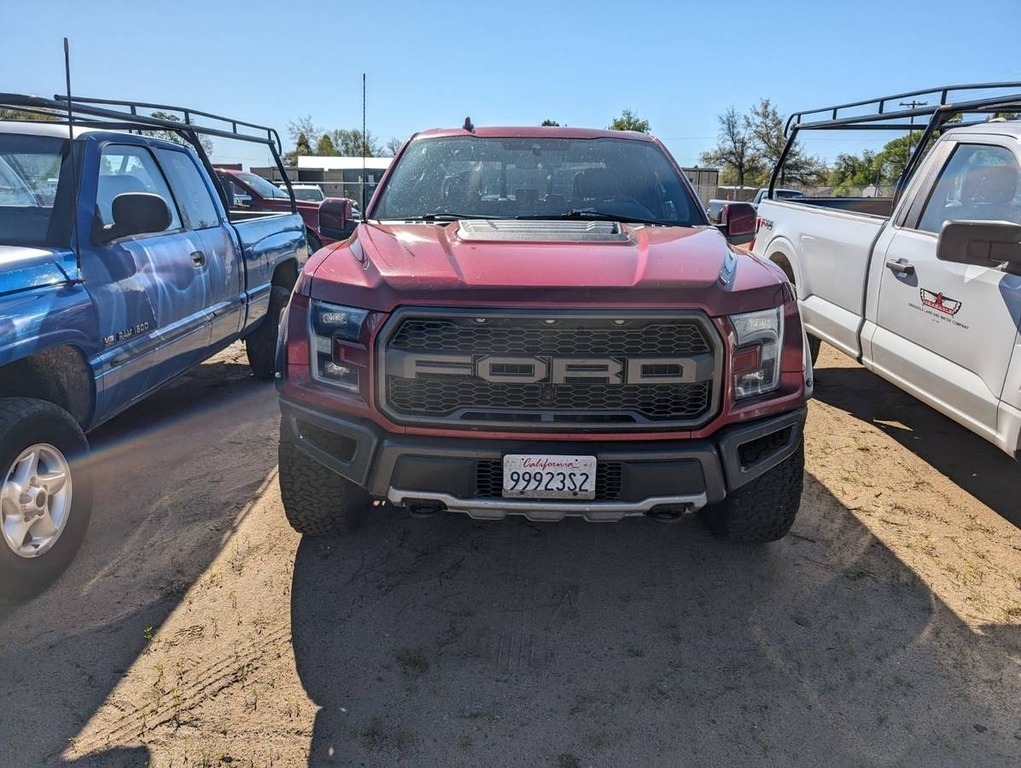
(196, 629)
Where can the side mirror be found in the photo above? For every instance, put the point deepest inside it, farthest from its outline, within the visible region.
(135, 213)
(981, 243)
(737, 222)
(335, 218)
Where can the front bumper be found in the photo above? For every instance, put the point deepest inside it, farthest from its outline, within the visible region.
(463, 474)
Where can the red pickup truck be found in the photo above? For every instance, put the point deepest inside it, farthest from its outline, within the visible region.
(543, 322)
(326, 221)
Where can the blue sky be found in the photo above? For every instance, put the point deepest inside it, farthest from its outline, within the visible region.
(427, 64)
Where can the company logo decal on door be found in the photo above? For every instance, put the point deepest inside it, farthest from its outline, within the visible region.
(940, 303)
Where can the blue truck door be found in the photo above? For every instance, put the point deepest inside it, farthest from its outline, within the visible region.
(148, 289)
(222, 264)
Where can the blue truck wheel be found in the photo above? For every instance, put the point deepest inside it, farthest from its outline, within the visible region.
(45, 496)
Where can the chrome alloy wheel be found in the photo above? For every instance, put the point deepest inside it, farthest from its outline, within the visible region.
(35, 500)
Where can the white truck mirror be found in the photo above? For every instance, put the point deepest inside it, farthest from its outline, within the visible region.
(982, 243)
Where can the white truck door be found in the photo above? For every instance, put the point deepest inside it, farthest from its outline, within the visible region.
(829, 252)
(944, 331)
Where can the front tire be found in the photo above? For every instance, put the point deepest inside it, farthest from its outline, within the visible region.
(45, 496)
(261, 344)
(317, 501)
(764, 509)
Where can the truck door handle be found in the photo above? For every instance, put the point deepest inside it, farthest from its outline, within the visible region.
(900, 266)
(198, 258)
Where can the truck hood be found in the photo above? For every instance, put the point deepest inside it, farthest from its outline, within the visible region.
(22, 267)
(543, 263)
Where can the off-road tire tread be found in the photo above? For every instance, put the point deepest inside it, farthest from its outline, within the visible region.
(763, 510)
(317, 501)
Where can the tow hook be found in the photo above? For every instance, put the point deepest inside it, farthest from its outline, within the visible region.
(667, 515)
(424, 510)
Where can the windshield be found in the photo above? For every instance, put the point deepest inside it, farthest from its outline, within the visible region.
(262, 187)
(308, 193)
(32, 179)
(480, 177)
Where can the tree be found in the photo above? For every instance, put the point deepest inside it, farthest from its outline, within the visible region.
(325, 146)
(303, 126)
(18, 114)
(168, 134)
(350, 143)
(301, 148)
(345, 143)
(393, 144)
(300, 130)
(766, 129)
(894, 156)
(628, 121)
(549, 123)
(851, 173)
(734, 154)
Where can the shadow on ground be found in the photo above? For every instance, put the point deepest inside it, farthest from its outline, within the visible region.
(457, 643)
(162, 468)
(977, 466)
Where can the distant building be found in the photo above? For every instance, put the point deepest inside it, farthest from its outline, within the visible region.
(735, 192)
(337, 176)
(704, 180)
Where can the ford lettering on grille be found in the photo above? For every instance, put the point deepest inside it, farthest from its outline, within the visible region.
(555, 370)
(524, 370)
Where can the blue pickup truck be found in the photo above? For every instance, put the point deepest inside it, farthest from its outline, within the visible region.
(120, 268)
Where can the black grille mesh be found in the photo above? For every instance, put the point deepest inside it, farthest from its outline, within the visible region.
(468, 399)
(439, 397)
(640, 339)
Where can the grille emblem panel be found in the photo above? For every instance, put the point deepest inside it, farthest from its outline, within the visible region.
(517, 371)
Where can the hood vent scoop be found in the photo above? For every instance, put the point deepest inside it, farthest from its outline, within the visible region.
(474, 230)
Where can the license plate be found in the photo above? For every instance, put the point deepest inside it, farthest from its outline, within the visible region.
(541, 476)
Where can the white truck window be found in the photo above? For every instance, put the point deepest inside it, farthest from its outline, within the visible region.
(978, 183)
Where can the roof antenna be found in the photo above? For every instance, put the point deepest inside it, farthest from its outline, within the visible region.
(70, 111)
(70, 154)
(468, 125)
(365, 173)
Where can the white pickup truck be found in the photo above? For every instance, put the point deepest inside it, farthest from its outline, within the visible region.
(923, 288)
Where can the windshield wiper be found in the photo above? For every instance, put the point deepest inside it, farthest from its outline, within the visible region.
(446, 216)
(591, 214)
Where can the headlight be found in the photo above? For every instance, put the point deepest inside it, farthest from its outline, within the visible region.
(756, 343)
(331, 324)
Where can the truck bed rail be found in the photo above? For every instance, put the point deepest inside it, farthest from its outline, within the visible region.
(876, 114)
(964, 104)
(123, 115)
